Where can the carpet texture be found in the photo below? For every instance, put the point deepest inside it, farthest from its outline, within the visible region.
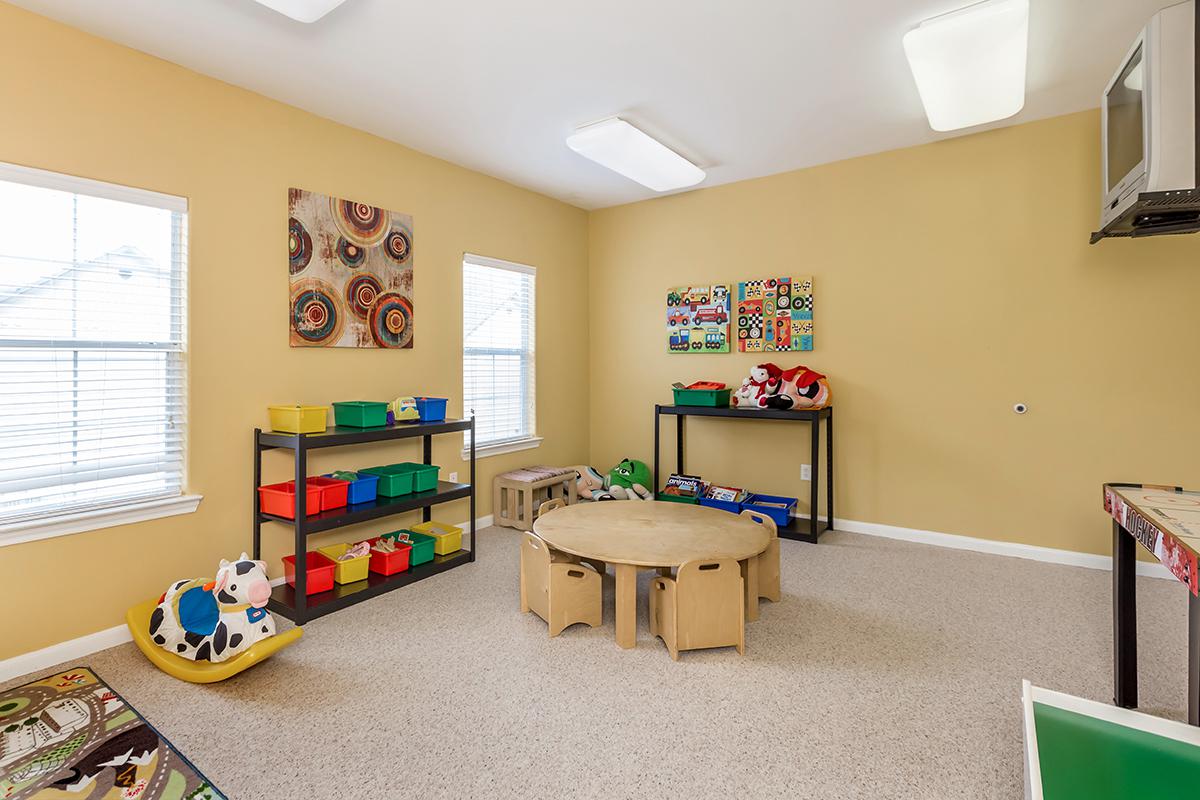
(889, 670)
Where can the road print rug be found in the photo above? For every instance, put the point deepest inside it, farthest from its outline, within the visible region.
(71, 737)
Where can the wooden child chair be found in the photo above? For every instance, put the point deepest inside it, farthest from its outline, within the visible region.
(558, 555)
(561, 593)
(702, 606)
(768, 560)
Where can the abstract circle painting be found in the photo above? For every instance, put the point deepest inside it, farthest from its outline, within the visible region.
(350, 273)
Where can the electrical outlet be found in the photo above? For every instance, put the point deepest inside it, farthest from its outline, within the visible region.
(454, 477)
(806, 472)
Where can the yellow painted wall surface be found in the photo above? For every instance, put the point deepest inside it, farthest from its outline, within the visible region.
(84, 106)
(952, 281)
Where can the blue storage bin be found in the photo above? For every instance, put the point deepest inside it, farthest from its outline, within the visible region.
(363, 489)
(724, 505)
(431, 409)
(782, 516)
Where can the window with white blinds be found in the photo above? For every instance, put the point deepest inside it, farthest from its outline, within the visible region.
(498, 351)
(92, 396)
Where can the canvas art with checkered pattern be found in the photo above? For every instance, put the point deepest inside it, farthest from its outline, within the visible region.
(775, 315)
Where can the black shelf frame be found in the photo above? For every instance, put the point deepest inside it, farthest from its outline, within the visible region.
(798, 528)
(300, 607)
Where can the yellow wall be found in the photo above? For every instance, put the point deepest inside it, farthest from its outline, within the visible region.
(952, 281)
(84, 106)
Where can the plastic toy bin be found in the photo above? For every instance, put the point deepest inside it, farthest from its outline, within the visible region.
(422, 546)
(447, 538)
(346, 571)
(676, 498)
(360, 414)
(298, 419)
(724, 505)
(279, 499)
(782, 516)
(431, 409)
(318, 571)
(425, 476)
(334, 493)
(393, 481)
(390, 563)
(711, 398)
(363, 489)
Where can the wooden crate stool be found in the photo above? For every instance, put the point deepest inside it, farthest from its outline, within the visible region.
(768, 560)
(519, 493)
(562, 593)
(702, 606)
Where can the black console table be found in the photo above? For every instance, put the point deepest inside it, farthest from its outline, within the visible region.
(804, 530)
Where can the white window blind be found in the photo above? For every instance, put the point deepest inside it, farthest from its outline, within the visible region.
(498, 350)
(92, 394)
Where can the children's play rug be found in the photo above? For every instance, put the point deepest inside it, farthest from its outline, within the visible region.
(70, 736)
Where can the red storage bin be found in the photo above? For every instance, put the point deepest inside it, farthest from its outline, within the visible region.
(280, 499)
(319, 575)
(333, 491)
(390, 563)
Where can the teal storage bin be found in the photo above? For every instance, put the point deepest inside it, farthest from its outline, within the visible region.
(360, 414)
(393, 481)
(422, 546)
(424, 476)
(709, 398)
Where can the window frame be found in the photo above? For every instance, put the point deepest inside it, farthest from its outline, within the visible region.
(529, 362)
(105, 514)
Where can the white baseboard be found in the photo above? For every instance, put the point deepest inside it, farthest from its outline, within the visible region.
(72, 650)
(1032, 552)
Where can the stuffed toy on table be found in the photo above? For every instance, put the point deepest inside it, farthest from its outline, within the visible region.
(218, 619)
(801, 389)
(762, 384)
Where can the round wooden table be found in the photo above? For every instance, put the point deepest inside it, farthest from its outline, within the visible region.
(631, 534)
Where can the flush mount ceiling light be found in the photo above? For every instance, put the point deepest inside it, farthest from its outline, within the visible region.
(970, 64)
(302, 10)
(616, 144)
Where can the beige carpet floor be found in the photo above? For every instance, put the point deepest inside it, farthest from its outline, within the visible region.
(889, 670)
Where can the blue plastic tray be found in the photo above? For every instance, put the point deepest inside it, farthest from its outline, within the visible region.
(363, 490)
(782, 516)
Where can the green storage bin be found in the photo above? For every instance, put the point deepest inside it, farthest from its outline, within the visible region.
(360, 414)
(674, 498)
(422, 546)
(711, 398)
(393, 481)
(425, 476)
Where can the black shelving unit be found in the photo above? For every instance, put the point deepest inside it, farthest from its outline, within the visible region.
(800, 529)
(294, 603)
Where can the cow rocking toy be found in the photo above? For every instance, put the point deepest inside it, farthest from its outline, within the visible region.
(216, 620)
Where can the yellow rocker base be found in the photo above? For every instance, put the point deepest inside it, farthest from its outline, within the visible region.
(138, 620)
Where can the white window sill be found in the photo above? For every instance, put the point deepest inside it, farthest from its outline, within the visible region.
(67, 524)
(484, 451)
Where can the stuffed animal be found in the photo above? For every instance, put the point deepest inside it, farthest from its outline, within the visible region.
(801, 388)
(762, 384)
(628, 480)
(589, 484)
(218, 619)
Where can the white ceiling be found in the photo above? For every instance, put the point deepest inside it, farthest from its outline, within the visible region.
(743, 89)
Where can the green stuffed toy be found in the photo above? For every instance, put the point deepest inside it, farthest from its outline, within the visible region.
(628, 481)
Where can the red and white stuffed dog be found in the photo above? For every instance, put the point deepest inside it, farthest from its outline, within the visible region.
(756, 390)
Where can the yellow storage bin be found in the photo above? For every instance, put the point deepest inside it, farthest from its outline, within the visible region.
(446, 538)
(298, 419)
(347, 571)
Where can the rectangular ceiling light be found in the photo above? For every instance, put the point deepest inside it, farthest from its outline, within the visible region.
(970, 64)
(616, 144)
(302, 10)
